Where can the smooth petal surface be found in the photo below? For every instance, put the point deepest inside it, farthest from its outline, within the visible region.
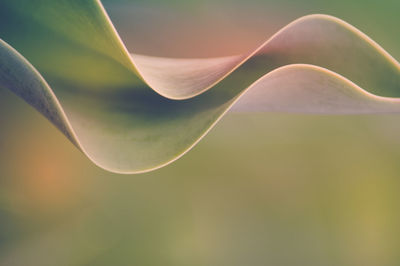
(134, 113)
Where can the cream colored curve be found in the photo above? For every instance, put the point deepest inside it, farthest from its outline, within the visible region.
(257, 84)
(228, 64)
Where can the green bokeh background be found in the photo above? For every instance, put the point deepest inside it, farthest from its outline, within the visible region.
(260, 189)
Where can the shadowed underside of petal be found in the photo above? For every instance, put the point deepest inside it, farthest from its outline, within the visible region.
(133, 113)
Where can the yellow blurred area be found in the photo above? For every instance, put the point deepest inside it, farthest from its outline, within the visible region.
(270, 187)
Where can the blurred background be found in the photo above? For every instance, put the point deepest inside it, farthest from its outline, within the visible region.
(260, 189)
